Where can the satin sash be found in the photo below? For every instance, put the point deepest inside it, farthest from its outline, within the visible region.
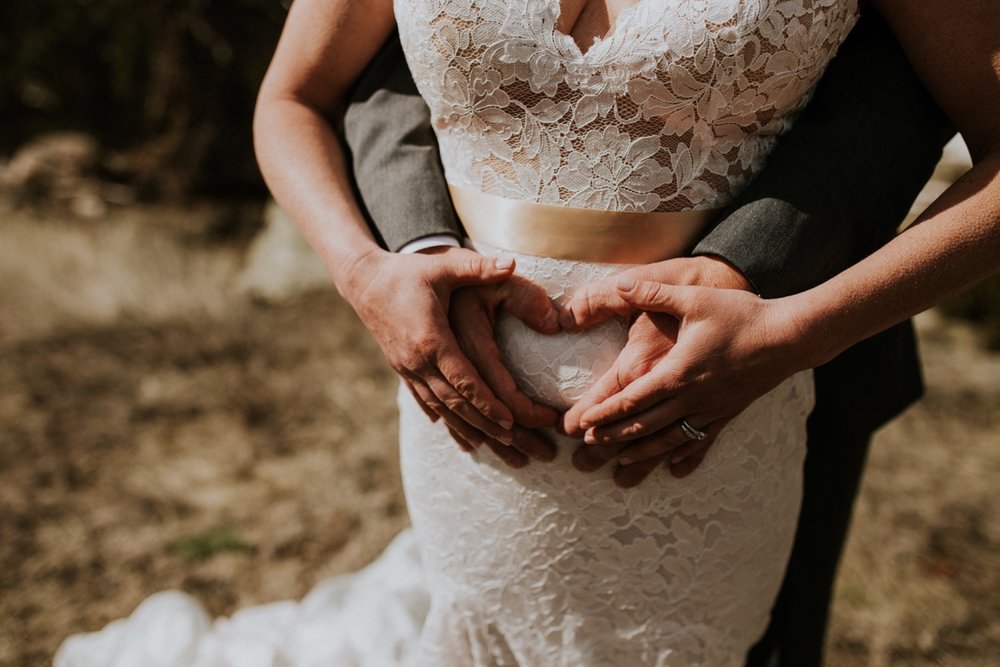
(587, 235)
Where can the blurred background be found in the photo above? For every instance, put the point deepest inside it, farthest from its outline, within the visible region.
(186, 403)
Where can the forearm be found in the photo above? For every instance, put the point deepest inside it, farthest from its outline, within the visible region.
(839, 183)
(956, 242)
(953, 245)
(323, 49)
(304, 166)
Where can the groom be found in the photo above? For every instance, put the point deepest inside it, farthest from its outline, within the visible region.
(834, 190)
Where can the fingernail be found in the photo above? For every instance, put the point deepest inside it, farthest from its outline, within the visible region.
(504, 263)
(626, 283)
(590, 438)
(626, 460)
(505, 424)
(506, 439)
(677, 459)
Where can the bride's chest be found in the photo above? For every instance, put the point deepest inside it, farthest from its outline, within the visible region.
(647, 32)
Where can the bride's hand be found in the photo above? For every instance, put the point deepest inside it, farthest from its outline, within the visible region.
(473, 315)
(729, 349)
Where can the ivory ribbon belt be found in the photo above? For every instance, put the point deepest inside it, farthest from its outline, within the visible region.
(582, 234)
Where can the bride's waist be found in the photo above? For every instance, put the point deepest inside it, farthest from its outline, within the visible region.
(557, 369)
(581, 234)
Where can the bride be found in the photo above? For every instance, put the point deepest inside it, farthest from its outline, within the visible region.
(580, 137)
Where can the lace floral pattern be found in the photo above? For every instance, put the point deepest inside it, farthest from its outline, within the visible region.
(550, 566)
(675, 109)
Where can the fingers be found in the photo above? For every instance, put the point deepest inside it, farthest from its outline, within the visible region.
(533, 443)
(528, 444)
(592, 304)
(525, 442)
(433, 416)
(588, 458)
(466, 447)
(682, 460)
(459, 266)
(455, 396)
(655, 296)
(530, 303)
(604, 299)
(509, 455)
(609, 384)
(654, 420)
(475, 335)
(630, 476)
(670, 441)
(466, 436)
(637, 397)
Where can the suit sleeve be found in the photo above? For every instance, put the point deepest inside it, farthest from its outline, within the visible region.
(394, 154)
(840, 182)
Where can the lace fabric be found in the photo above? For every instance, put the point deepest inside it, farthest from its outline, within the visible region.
(675, 109)
(550, 566)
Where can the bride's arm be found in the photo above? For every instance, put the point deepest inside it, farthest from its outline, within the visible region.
(402, 299)
(955, 48)
(323, 48)
(732, 347)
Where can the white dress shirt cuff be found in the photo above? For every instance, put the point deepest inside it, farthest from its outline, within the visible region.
(432, 241)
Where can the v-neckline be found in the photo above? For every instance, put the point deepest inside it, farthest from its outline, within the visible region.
(597, 40)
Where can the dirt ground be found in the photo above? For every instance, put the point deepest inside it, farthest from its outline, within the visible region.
(178, 411)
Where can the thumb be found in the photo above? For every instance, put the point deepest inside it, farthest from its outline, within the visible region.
(654, 296)
(458, 269)
(613, 381)
(530, 303)
(592, 304)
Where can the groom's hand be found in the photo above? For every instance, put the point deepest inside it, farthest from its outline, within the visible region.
(473, 316)
(404, 300)
(652, 335)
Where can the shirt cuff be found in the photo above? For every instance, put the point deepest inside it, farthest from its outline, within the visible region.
(432, 241)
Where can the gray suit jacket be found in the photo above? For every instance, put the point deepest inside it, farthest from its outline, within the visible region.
(834, 190)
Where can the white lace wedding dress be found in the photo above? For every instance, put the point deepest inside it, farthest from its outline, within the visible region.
(546, 566)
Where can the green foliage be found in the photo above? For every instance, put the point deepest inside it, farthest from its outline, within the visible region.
(981, 305)
(172, 82)
(206, 545)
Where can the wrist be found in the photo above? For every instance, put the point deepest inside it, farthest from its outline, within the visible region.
(717, 272)
(807, 330)
(353, 271)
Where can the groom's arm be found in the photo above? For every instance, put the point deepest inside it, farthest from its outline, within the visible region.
(395, 157)
(839, 183)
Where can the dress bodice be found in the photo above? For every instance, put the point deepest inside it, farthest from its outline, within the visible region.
(673, 110)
